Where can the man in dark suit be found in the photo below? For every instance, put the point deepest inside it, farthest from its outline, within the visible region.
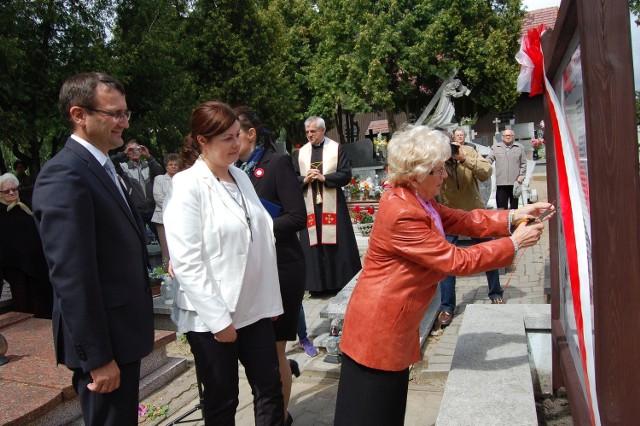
(94, 242)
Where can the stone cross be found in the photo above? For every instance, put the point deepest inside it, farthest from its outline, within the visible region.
(496, 122)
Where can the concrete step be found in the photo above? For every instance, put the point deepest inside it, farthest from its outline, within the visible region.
(36, 391)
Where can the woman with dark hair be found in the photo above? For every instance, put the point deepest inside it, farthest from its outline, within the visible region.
(23, 262)
(161, 185)
(276, 183)
(223, 254)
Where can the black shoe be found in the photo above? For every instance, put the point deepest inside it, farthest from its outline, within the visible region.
(295, 369)
(289, 420)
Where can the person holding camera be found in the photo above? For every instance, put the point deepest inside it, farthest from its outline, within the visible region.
(460, 190)
(138, 169)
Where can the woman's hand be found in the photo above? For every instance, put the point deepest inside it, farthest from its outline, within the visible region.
(530, 212)
(528, 235)
(226, 335)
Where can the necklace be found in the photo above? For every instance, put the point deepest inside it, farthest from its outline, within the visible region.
(242, 205)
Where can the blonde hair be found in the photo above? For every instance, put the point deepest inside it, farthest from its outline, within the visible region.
(413, 152)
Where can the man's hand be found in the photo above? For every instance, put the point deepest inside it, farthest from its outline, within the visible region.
(226, 335)
(520, 179)
(105, 379)
(144, 151)
(460, 157)
(313, 174)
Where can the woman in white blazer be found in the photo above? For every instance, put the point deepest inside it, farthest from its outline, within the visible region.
(161, 186)
(223, 255)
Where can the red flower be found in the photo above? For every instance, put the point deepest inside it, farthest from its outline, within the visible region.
(537, 142)
(357, 209)
(353, 181)
(370, 210)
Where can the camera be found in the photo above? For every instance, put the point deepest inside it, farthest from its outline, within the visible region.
(455, 149)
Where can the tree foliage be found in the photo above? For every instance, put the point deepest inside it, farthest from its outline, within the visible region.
(392, 55)
(150, 60)
(41, 44)
(237, 51)
(287, 59)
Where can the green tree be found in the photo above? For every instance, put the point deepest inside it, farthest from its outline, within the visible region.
(300, 44)
(393, 55)
(150, 60)
(41, 44)
(237, 53)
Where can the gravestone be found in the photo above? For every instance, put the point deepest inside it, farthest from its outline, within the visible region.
(524, 133)
(360, 153)
(281, 147)
(364, 164)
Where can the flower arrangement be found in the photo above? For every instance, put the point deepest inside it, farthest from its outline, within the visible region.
(380, 143)
(353, 188)
(157, 276)
(157, 273)
(538, 142)
(365, 186)
(360, 215)
(468, 121)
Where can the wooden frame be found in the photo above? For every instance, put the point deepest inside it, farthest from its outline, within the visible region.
(614, 187)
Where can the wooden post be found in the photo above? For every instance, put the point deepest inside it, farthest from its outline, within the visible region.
(601, 31)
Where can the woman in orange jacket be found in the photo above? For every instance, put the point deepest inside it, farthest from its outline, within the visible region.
(408, 255)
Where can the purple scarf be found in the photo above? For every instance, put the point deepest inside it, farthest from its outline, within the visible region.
(426, 205)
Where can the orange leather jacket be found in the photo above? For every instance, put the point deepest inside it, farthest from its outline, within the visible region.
(406, 259)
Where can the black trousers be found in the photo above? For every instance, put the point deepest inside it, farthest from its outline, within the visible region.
(370, 397)
(504, 197)
(217, 367)
(117, 408)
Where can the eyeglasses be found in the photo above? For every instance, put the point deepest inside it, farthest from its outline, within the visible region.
(442, 172)
(508, 134)
(6, 191)
(116, 116)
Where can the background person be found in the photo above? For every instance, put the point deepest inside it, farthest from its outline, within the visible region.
(408, 255)
(460, 190)
(510, 164)
(161, 185)
(329, 244)
(138, 170)
(95, 245)
(276, 182)
(304, 341)
(223, 255)
(26, 182)
(23, 263)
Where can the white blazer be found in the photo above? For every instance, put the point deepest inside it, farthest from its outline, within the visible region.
(161, 186)
(208, 239)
